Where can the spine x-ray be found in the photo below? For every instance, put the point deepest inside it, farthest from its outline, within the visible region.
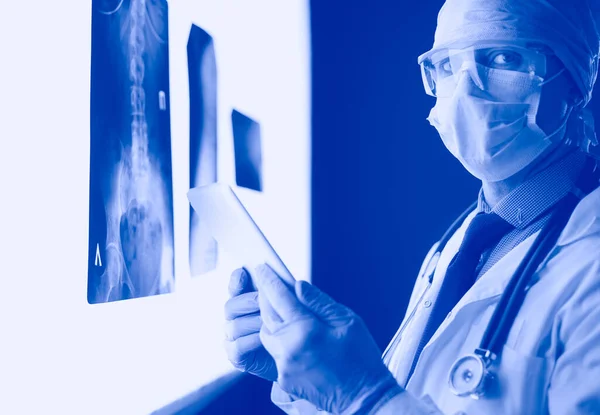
(131, 209)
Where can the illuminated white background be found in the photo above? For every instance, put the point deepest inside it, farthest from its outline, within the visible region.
(58, 354)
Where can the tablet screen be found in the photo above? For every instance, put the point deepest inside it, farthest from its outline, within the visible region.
(228, 221)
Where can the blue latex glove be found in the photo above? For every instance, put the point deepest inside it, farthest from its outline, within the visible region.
(243, 323)
(323, 350)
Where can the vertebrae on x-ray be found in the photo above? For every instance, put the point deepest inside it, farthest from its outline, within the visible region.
(137, 259)
(139, 126)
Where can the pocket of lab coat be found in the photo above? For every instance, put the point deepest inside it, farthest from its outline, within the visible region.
(524, 379)
(519, 385)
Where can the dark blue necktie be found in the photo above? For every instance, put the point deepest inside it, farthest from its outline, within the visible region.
(484, 231)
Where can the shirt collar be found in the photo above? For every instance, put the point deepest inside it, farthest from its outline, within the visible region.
(533, 197)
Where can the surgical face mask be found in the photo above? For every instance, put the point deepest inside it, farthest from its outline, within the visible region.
(493, 132)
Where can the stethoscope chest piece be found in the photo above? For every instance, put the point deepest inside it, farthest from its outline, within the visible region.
(470, 375)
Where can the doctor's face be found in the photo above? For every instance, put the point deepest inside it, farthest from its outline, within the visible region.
(497, 104)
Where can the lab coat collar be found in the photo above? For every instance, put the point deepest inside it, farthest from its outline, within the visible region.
(585, 220)
(539, 193)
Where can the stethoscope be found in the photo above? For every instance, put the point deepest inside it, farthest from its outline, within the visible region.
(472, 375)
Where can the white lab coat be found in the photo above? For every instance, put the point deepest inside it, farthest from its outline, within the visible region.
(551, 361)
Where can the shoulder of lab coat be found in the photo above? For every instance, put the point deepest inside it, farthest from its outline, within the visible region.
(584, 222)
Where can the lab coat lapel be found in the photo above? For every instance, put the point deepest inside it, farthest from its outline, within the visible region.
(412, 330)
(491, 284)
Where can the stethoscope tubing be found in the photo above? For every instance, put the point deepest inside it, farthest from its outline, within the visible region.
(514, 294)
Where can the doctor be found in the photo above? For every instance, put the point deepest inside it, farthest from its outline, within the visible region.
(511, 78)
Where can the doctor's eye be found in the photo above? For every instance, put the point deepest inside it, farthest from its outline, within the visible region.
(505, 59)
(444, 68)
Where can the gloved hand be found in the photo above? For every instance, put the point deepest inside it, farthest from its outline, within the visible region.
(243, 323)
(323, 351)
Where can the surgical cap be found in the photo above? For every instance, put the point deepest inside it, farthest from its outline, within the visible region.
(567, 27)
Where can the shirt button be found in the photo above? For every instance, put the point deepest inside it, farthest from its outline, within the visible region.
(427, 304)
(449, 315)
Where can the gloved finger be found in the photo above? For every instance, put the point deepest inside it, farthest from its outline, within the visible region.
(240, 282)
(263, 365)
(243, 326)
(322, 305)
(269, 315)
(240, 350)
(241, 305)
(282, 299)
(266, 338)
(271, 341)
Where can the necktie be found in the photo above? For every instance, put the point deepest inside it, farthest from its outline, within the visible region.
(484, 231)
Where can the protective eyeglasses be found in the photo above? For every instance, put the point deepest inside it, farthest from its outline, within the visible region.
(442, 69)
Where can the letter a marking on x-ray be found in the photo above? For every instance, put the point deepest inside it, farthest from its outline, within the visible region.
(98, 261)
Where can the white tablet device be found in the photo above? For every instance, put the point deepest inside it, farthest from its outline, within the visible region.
(226, 218)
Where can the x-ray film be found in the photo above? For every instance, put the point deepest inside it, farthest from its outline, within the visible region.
(248, 151)
(131, 209)
(202, 70)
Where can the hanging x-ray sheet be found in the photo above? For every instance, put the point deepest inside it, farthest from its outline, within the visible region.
(248, 151)
(131, 209)
(202, 72)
